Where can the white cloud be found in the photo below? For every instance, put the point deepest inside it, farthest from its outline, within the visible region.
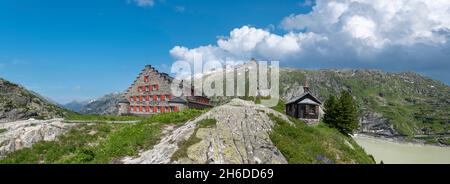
(387, 34)
(399, 22)
(143, 3)
(306, 3)
(247, 42)
(180, 8)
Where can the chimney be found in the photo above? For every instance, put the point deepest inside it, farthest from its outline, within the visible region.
(306, 87)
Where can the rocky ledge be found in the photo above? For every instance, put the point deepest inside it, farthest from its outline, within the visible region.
(23, 134)
(239, 136)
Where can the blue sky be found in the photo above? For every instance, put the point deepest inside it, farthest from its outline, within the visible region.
(78, 50)
(83, 49)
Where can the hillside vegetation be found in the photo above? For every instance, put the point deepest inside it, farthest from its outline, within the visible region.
(403, 104)
(18, 103)
(100, 142)
(302, 144)
(236, 126)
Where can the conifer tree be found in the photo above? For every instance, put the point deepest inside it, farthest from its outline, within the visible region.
(341, 113)
(331, 111)
(348, 114)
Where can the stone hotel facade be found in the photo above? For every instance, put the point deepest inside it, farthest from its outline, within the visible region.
(151, 94)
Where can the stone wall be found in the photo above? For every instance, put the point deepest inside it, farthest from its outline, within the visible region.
(157, 84)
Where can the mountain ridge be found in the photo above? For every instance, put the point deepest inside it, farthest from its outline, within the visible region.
(18, 103)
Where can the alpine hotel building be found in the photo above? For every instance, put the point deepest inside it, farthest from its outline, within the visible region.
(151, 94)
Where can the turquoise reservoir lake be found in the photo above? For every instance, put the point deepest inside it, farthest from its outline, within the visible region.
(403, 153)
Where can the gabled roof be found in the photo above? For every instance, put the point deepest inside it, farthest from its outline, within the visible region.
(308, 101)
(305, 98)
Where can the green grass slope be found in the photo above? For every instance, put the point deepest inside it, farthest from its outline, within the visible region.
(413, 104)
(100, 143)
(302, 144)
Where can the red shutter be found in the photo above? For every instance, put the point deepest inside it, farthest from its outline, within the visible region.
(163, 97)
(161, 109)
(155, 98)
(147, 109)
(134, 97)
(154, 109)
(151, 87)
(140, 98)
(140, 108)
(176, 108)
(157, 86)
(147, 98)
(135, 108)
(170, 97)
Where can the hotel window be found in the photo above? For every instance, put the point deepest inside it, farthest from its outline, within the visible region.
(159, 110)
(145, 78)
(167, 109)
(159, 98)
(172, 109)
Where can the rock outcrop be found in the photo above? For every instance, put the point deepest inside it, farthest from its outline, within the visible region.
(23, 134)
(17, 103)
(375, 123)
(240, 136)
(391, 104)
(106, 105)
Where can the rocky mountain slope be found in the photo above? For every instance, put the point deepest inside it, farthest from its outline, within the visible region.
(17, 103)
(106, 105)
(242, 132)
(391, 104)
(237, 132)
(76, 106)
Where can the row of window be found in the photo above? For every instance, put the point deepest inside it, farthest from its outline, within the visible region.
(150, 98)
(153, 87)
(153, 109)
